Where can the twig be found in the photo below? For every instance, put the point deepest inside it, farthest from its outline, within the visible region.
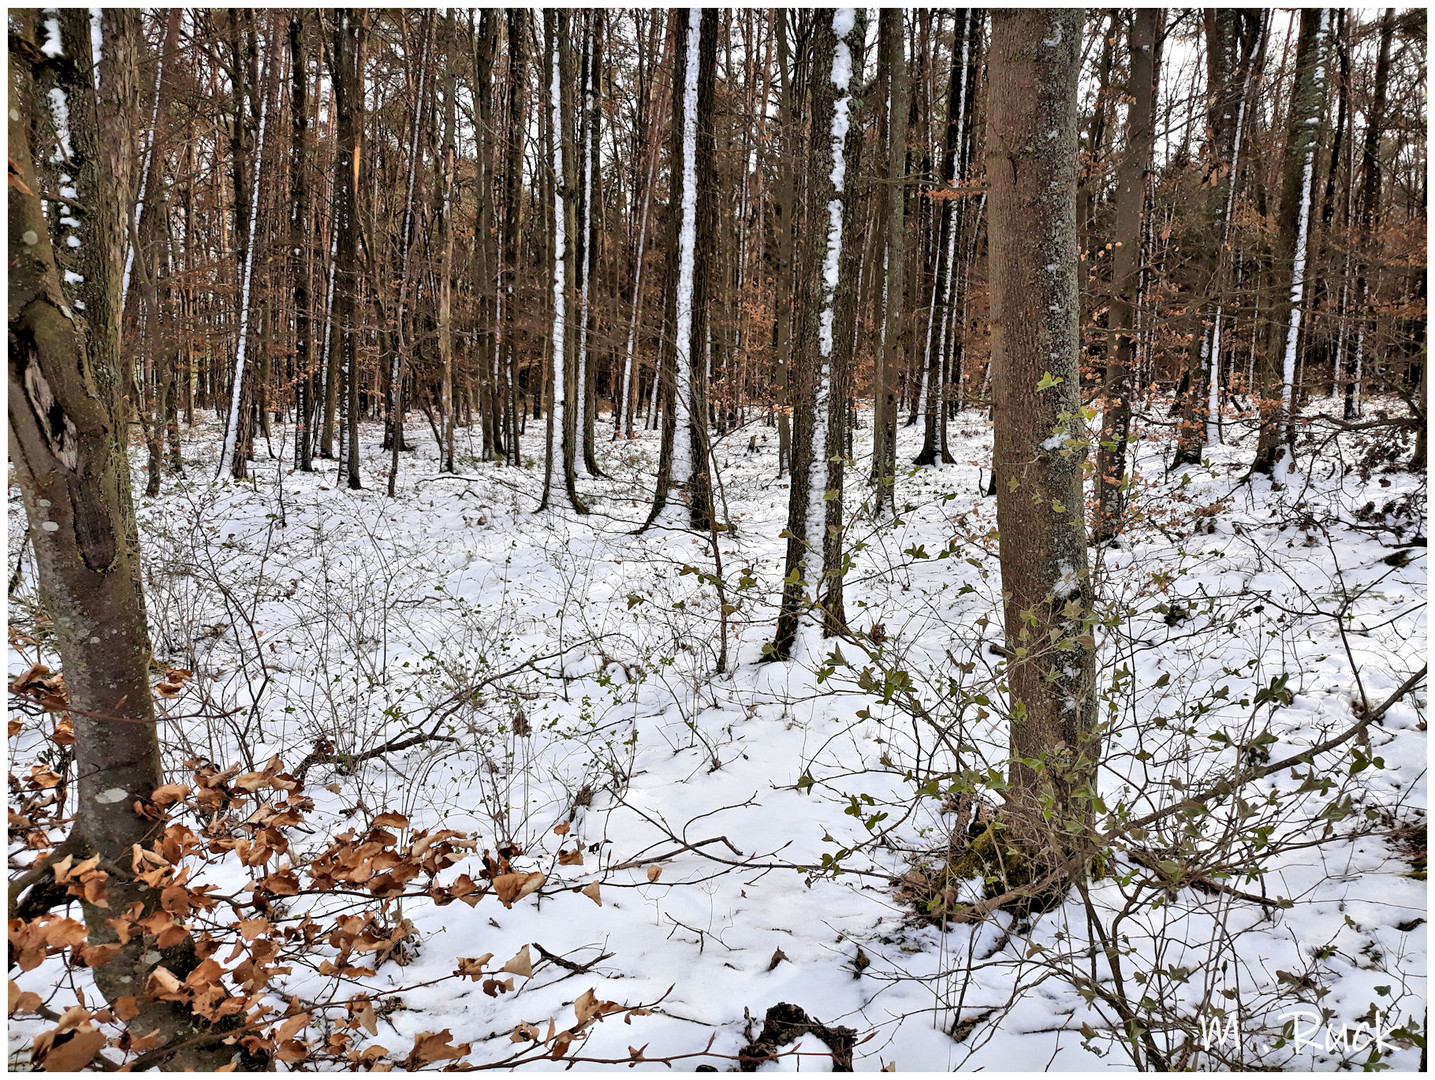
(569, 964)
(645, 860)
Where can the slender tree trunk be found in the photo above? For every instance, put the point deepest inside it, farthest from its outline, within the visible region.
(826, 308)
(238, 431)
(347, 59)
(562, 414)
(1276, 448)
(890, 355)
(933, 435)
(683, 464)
(300, 251)
(1146, 26)
(512, 215)
(1368, 212)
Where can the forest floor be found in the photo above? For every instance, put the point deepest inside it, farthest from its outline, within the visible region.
(574, 666)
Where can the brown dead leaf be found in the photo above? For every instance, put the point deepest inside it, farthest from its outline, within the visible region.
(561, 829)
(571, 858)
(436, 1047)
(561, 1043)
(391, 820)
(364, 1014)
(168, 793)
(162, 980)
(494, 987)
(521, 964)
(22, 1000)
(76, 1052)
(593, 893)
(654, 872)
(64, 933)
(473, 966)
(511, 887)
(290, 1026)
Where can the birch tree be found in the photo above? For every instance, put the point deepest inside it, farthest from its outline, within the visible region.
(562, 415)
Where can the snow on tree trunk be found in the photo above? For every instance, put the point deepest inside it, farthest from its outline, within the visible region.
(231, 428)
(1307, 106)
(580, 405)
(843, 21)
(682, 464)
(1307, 188)
(814, 517)
(560, 250)
(1213, 399)
(144, 170)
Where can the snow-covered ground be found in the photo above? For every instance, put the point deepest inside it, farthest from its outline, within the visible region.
(573, 662)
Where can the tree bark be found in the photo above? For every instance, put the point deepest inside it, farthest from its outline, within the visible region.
(67, 446)
(1276, 447)
(890, 349)
(1146, 26)
(826, 288)
(1048, 594)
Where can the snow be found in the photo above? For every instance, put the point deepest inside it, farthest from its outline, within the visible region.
(53, 46)
(97, 42)
(60, 114)
(459, 579)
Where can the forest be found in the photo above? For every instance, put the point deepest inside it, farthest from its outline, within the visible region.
(720, 539)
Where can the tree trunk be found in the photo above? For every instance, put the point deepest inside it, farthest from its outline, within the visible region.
(938, 310)
(1276, 448)
(1368, 211)
(683, 463)
(826, 295)
(562, 414)
(1146, 26)
(67, 446)
(512, 214)
(1031, 167)
(347, 60)
(890, 351)
(300, 252)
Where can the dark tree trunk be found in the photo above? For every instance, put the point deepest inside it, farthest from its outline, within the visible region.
(1146, 27)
